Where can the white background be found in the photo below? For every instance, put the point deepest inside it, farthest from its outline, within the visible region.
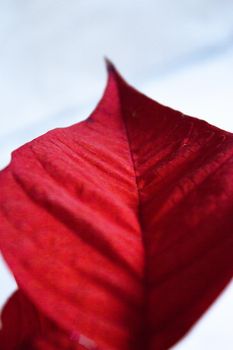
(52, 74)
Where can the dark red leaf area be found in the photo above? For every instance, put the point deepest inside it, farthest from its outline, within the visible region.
(21, 323)
(24, 327)
(120, 227)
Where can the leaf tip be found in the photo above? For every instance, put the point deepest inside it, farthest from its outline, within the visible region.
(112, 71)
(109, 65)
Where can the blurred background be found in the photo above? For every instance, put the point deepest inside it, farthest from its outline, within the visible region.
(52, 74)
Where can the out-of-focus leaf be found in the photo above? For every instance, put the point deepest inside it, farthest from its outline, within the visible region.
(21, 323)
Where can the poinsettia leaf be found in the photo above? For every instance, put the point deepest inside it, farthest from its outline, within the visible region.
(24, 327)
(119, 228)
(21, 323)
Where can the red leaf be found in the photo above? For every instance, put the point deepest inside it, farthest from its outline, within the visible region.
(24, 327)
(21, 323)
(119, 228)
